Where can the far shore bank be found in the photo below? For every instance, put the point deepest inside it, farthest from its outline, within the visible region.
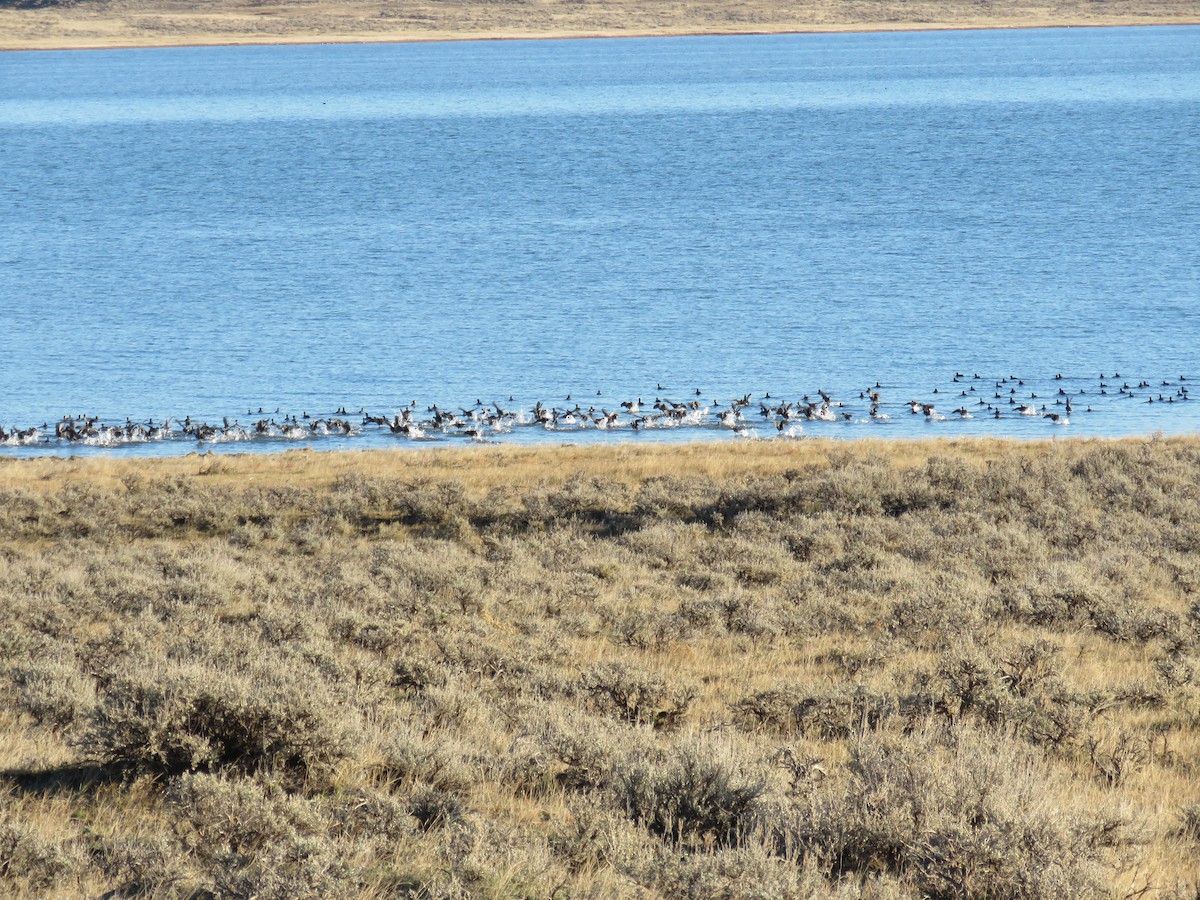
(317, 40)
(327, 40)
(130, 24)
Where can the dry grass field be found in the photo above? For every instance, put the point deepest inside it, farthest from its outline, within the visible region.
(853, 670)
(43, 24)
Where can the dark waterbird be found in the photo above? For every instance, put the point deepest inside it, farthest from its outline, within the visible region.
(493, 420)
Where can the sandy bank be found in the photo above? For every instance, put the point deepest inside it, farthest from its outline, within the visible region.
(140, 23)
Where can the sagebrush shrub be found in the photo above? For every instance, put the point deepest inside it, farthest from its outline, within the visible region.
(195, 718)
(145, 868)
(693, 796)
(289, 870)
(55, 692)
(838, 712)
(436, 808)
(959, 813)
(240, 816)
(751, 872)
(31, 860)
(633, 695)
(407, 759)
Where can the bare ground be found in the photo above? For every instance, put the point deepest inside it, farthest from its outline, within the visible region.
(46, 24)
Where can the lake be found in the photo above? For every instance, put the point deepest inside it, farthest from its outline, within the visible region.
(205, 232)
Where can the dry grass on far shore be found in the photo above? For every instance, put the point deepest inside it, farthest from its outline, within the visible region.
(38, 24)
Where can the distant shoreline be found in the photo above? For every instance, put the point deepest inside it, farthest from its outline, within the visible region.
(116, 40)
(423, 39)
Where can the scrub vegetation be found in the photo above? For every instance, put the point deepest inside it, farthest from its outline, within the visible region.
(852, 670)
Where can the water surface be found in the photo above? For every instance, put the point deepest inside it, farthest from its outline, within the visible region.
(207, 231)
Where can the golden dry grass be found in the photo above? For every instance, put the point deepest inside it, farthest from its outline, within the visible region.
(872, 669)
(480, 469)
(128, 23)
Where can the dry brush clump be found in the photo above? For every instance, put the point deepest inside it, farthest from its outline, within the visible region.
(171, 717)
(954, 813)
(822, 670)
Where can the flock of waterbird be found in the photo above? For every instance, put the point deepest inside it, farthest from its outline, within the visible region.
(972, 396)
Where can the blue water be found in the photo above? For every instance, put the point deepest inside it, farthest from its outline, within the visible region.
(209, 231)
